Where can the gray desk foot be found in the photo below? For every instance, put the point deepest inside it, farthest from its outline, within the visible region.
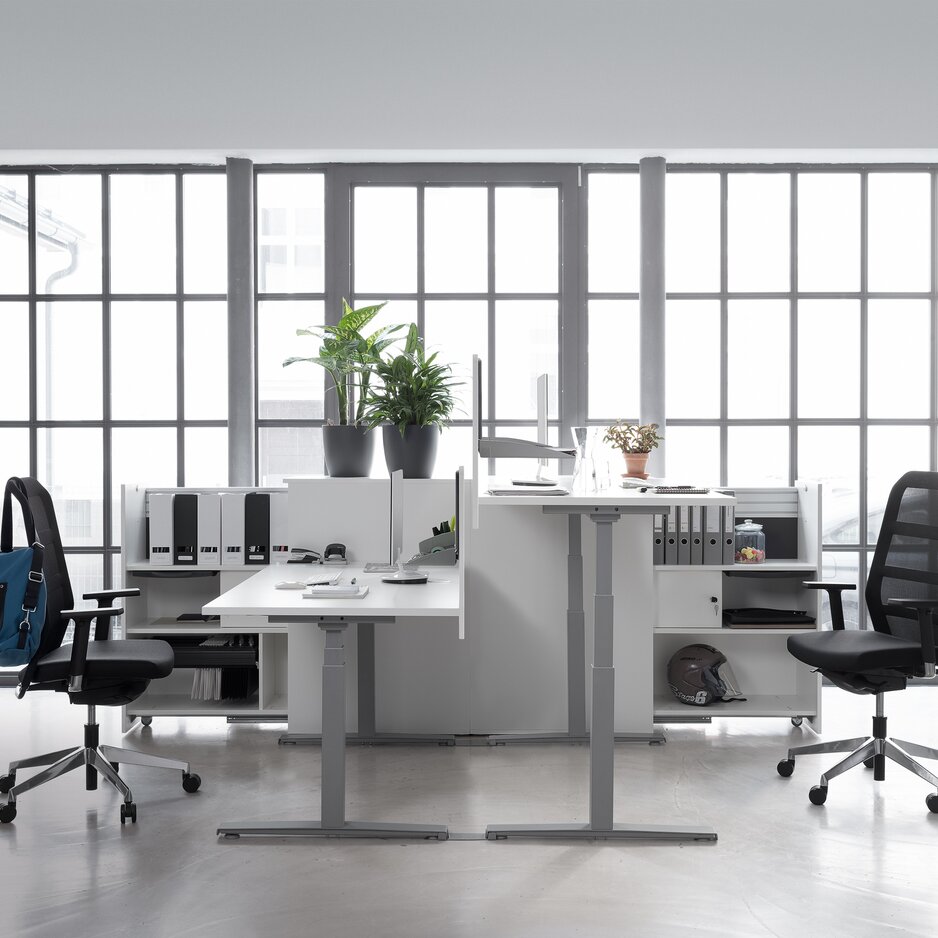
(348, 829)
(585, 832)
(515, 738)
(371, 739)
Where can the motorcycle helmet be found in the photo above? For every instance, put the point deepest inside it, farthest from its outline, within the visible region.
(700, 674)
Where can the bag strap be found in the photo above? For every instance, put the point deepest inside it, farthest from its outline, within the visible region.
(31, 595)
(17, 489)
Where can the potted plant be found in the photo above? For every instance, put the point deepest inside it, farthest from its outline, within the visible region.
(349, 358)
(636, 441)
(414, 401)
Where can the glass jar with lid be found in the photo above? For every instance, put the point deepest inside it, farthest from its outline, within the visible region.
(750, 542)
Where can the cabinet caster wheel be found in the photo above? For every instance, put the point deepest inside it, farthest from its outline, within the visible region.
(7, 782)
(931, 802)
(128, 810)
(785, 767)
(818, 794)
(146, 721)
(8, 812)
(191, 782)
(868, 762)
(797, 721)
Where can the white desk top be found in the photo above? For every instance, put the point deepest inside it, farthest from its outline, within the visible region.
(257, 596)
(612, 496)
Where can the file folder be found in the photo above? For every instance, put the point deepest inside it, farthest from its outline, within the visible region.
(670, 540)
(683, 526)
(232, 528)
(160, 517)
(279, 525)
(696, 535)
(257, 528)
(209, 529)
(658, 541)
(729, 531)
(185, 527)
(713, 534)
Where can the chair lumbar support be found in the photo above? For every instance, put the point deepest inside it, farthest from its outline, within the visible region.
(871, 751)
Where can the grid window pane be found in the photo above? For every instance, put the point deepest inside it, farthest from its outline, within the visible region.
(828, 358)
(295, 391)
(454, 450)
(613, 232)
(385, 239)
(68, 366)
(14, 453)
(832, 456)
(828, 232)
(757, 364)
(526, 337)
(290, 232)
(692, 369)
(86, 575)
(899, 232)
(882, 472)
(206, 456)
(70, 466)
(14, 245)
(68, 234)
(143, 233)
(456, 240)
(14, 335)
(692, 232)
(841, 567)
(289, 451)
(693, 455)
(614, 365)
(205, 233)
(143, 378)
(758, 226)
(527, 222)
(457, 330)
(140, 455)
(757, 455)
(206, 360)
(899, 357)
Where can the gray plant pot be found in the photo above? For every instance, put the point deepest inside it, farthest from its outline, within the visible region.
(414, 452)
(348, 451)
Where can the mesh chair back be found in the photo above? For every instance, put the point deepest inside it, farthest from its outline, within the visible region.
(58, 588)
(905, 562)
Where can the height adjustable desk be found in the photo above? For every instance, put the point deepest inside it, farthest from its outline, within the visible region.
(604, 510)
(384, 603)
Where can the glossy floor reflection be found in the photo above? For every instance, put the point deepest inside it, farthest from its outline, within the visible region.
(862, 865)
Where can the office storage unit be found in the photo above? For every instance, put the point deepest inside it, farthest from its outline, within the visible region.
(691, 602)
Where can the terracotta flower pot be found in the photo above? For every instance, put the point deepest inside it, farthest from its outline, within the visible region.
(635, 464)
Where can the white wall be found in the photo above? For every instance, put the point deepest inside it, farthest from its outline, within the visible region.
(468, 78)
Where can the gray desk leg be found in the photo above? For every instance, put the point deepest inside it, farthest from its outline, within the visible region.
(333, 823)
(367, 735)
(602, 737)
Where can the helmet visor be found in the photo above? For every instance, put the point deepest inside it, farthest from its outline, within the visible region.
(727, 678)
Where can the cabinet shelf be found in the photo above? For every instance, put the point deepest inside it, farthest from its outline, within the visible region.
(182, 705)
(148, 569)
(755, 705)
(723, 632)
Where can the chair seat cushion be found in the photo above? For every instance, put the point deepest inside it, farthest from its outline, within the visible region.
(118, 660)
(850, 650)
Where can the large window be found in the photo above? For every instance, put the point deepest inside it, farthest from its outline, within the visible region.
(113, 283)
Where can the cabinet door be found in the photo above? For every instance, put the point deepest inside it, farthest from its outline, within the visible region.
(689, 599)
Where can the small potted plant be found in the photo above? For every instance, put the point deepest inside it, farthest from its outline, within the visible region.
(636, 441)
(350, 359)
(413, 402)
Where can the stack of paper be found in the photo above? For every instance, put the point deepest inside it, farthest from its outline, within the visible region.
(337, 591)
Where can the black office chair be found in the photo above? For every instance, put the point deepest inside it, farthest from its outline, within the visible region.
(107, 672)
(902, 597)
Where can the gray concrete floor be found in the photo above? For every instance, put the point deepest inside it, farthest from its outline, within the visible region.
(862, 865)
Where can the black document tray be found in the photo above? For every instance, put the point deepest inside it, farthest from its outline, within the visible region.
(759, 616)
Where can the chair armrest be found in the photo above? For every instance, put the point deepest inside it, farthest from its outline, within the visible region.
(925, 609)
(104, 597)
(82, 619)
(834, 591)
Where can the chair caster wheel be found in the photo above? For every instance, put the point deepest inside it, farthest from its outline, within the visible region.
(868, 762)
(146, 721)
(128, 810)
(191, 782)
(8, 812)
(797, 721)
(818, 794)
(7, 782)
(785, 767)
(931, 802)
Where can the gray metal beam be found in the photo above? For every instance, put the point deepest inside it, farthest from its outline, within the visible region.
(242, 406)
